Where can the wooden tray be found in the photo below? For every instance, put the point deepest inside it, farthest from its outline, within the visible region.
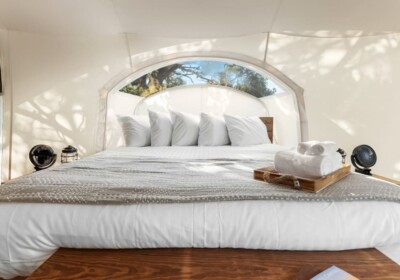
(270, 175)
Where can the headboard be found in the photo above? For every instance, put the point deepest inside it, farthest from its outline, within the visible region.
(269, 123)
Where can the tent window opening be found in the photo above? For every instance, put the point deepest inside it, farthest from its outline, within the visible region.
(203, 72)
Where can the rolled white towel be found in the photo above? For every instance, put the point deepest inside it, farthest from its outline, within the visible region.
(303, 147)
(306, 166)
(323, 148)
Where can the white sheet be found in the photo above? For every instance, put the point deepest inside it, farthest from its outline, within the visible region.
(30, 233)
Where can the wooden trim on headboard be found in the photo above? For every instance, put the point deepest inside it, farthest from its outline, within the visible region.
(269, 123)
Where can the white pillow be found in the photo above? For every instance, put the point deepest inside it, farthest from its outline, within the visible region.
(186, 129)
(246, 131)
(213, 131)
(160, 128)
(136, 130)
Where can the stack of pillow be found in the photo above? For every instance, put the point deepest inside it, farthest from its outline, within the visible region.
(183, 129)
(311, 159)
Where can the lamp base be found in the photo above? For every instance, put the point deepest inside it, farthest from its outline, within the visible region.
(365, 171)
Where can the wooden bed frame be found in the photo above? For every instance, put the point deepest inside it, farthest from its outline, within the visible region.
(191, 263)
(211, 264)
(269, 123)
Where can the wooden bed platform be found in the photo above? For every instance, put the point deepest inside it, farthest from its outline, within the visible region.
(211, 264)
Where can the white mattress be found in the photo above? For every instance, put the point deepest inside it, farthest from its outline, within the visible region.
(30, 233)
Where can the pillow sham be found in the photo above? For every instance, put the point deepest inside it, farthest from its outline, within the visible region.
(246, 131)
(213, 131)
(160, 128)
(185, 129)
(136, 130)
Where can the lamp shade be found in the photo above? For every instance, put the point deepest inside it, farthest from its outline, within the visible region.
(69, 154)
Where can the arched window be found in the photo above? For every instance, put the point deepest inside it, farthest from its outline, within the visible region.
(197, 72)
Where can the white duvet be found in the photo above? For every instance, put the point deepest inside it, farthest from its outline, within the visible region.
(30, 233)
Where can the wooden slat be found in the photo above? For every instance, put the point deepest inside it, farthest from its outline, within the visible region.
(390, 180)
(211, 264)
(269, 123)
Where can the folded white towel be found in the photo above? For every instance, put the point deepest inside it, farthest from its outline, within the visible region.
(306, 166)
(303, 147)
(322, 148)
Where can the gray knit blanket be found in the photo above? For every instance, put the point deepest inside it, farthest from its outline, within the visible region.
(107, 178)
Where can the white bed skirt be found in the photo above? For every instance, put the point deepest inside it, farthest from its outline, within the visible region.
(30, 233)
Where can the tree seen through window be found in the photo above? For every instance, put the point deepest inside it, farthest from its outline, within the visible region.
(202, 72)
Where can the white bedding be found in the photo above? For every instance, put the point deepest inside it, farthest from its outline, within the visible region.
(30, 233)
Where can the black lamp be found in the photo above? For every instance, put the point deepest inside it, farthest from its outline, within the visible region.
(363, 158)
(69, 154)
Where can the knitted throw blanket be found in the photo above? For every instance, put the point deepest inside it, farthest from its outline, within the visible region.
(107, 178)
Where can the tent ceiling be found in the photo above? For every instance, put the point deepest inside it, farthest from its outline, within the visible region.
(199, 19)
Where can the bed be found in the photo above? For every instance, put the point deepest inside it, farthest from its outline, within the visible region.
(192, 197)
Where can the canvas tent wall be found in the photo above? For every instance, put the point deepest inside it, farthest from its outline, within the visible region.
(59, 55)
